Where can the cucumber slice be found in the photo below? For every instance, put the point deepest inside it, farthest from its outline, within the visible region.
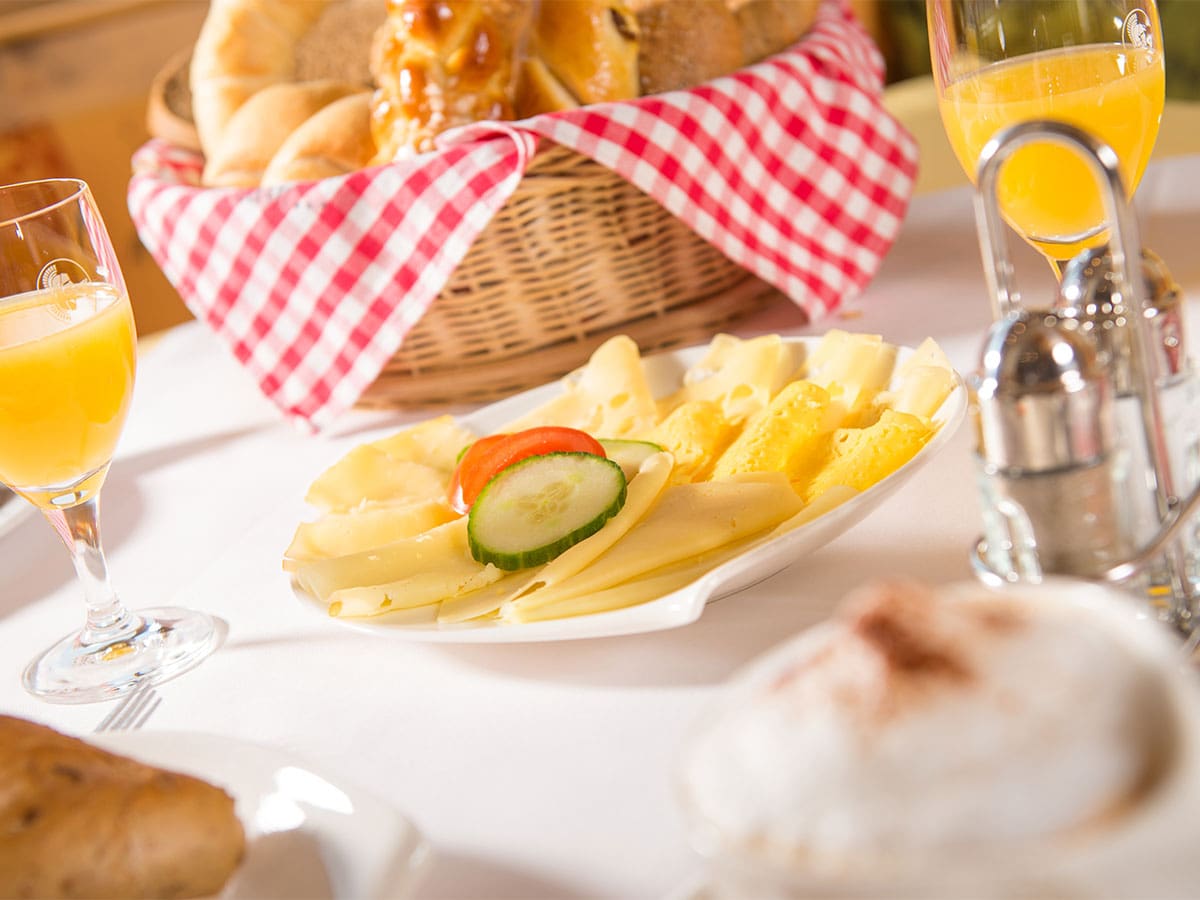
(629, 455)
(535, 509)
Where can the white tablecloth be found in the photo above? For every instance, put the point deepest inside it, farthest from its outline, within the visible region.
(535, 770)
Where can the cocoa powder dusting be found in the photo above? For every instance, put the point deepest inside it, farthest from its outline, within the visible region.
(905, 649)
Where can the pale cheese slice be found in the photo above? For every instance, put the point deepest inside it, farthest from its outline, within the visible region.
(688, 520)
(367, 474)
(608, 398)
(445, 579)
(442, 547)
(363, 528)
(435, 443)
(852, 367)
(741, 376)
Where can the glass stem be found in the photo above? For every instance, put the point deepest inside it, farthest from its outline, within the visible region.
(107, 618)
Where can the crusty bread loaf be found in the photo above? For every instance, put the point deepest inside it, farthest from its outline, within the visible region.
(247, 45)
(685, 42)
(262, 124)
(334, 141)
(78, 821)
(769, 26)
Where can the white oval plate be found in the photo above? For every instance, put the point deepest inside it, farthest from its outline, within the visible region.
(664, 372)
(307, 835)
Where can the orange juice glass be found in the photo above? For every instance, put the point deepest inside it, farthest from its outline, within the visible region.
(67, 364)
(1097, 65)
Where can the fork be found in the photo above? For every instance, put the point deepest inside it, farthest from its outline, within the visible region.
(132, 710)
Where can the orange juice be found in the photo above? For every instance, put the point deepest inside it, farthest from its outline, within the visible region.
(67, 359)
(1048, 192)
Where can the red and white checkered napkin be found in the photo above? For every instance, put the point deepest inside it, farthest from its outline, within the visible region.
(790, 167)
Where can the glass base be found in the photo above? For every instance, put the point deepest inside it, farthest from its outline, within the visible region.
(165, 642)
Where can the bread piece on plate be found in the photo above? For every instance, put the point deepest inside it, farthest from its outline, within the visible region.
(247, 45)
(78, 821)
(591, 46)
(771, 26)
(442, 63)
(262, 124)
(685, 42)
(334, 141)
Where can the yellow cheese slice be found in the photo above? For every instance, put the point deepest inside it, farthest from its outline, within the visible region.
(608, 398)
(367, 474)
(863, 456)
(447, 578)
(861, 365)
(481, 604)
(435, 443)
(442, 547)
(696, 432)
(785, 436)
(741, 376)
(363, 528)
(688, 520)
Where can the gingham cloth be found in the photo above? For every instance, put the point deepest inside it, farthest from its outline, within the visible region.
(790, 167)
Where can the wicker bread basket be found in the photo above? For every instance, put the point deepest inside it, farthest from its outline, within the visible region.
(576, 256)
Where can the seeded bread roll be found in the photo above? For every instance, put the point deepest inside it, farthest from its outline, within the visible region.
(78, 821)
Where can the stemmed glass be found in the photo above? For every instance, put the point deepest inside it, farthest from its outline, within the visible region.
(1095, 64)
(67, 360)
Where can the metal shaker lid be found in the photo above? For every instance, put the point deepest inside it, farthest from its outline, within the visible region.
(1043, 398)
(1091, 294)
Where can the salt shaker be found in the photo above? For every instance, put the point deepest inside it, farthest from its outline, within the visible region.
(1050, 464)
(1084, 382)
(1090, 294)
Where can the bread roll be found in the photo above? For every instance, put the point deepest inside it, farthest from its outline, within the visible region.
(442, 63)
(334, 141)
(590, 46)
(685, 42)
(247, 45)
(768, 27)
(78, 821)
(262, 124)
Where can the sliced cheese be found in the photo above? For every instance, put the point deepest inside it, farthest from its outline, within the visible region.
(363, 528)
(366, 474)
(443, 547)
(435, 443)
(740, 376)
(696, 432)
(608, 398)
(785, 436)
(449, 578)
(689, 520)
(861, 457)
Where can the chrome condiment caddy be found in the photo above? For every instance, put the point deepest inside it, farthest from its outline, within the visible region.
(1087, 410)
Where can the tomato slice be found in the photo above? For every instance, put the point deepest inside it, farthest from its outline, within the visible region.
(489, 455)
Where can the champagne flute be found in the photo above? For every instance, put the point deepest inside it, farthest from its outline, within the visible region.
(67, 361)
(1094, 64)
